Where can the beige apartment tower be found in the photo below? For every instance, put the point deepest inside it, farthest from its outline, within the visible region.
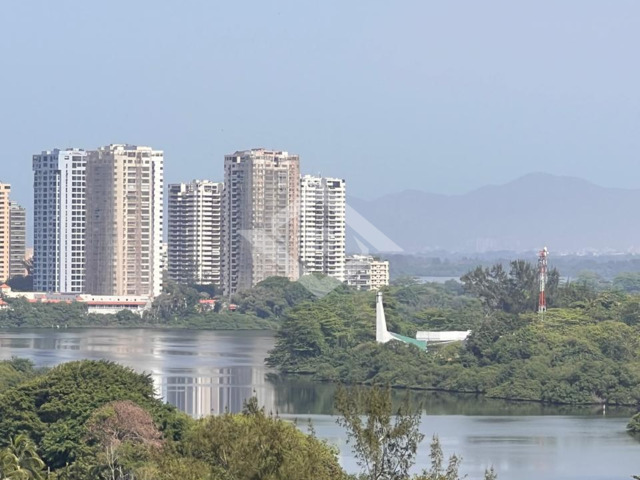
(124, 221)
(194, 232)
(5, 224)
(260, 217)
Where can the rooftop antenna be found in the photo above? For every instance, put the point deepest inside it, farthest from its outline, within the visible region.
(542, 277)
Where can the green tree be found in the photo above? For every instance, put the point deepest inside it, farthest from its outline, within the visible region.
(591, 280)
(54, 408)
(438, 470)
(20, 461)
(634, 425)
(272, 297)
(254, 445)
(628, 282)
(515, 291)
(175, 300)
(384, 445)
(20, 283)
(16, 371)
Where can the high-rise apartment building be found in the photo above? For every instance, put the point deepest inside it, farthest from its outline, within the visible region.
(364, 272)
(17, 239)
(260, 217)
(59, 220)
(124, 221)
(5, 220)
(322, 226)
(194, 224)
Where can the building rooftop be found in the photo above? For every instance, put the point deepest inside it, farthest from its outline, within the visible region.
(261, 152)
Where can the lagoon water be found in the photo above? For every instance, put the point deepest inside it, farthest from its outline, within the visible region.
(205, 372)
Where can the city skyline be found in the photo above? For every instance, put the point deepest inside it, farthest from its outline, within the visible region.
(19, 196)
(363, 208)
(484, 242)
(100, 222)
(220, 219)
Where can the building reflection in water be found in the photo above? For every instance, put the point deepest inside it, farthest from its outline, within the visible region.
(200, 372)
(208, 373)
(224, 389)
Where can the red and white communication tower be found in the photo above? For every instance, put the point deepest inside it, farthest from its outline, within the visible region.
(542, 272)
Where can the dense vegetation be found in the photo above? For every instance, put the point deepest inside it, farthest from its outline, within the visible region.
(99, 420)
(46, 315)
(177, 307)
(260, 308)
(586, 350)
(15, 371)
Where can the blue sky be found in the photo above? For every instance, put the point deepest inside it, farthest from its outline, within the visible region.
(437, 96)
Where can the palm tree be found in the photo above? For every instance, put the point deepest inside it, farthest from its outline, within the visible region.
(20, 461)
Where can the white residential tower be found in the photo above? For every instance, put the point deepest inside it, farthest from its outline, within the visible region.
(194, 232)
(322, 226)
(59, 220)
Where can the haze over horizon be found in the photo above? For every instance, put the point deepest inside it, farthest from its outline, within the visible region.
(567, 214)
(442, 99)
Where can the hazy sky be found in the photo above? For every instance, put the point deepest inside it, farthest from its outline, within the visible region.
(440, 96)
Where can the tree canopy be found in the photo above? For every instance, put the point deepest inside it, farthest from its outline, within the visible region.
(97, 419)
(585, 351)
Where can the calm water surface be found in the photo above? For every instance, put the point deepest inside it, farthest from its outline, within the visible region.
(205, 372)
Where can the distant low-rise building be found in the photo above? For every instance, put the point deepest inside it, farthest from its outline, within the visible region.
(106, 304)
(207, 304)
(364, 272)
(98, 304)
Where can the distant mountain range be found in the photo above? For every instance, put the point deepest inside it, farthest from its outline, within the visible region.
(567, 214)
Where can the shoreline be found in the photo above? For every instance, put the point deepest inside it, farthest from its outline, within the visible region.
(464, 392)
(309, 375)
(139, 327)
